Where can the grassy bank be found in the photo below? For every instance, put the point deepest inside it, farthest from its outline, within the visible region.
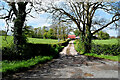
(114, 58)
(9, 67)
(107, 49)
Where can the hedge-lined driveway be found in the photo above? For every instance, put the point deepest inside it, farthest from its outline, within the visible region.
(72, 66)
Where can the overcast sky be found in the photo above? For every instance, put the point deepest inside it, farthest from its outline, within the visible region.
(44, 19)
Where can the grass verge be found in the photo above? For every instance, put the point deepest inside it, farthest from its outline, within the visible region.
(113, 58)
(14, 66)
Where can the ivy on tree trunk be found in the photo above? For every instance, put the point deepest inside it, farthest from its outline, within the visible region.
(19, 38)
(85, 42)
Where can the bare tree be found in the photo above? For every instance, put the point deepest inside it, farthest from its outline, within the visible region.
(17, 13)
(81, 13)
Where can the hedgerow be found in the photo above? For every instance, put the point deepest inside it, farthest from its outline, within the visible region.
(32, 54)
(107, 51)
(31, 50)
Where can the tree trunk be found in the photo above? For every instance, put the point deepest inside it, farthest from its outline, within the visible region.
(86, 37)
(19, 38)
(85, 41)
(87, 44)
(17, 34)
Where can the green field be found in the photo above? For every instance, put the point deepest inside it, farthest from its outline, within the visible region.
(109, 41)
(9, 39)
(42, 41)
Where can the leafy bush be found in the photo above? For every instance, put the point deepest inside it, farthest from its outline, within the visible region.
(3, 33)
(79, 46)
(103, 35)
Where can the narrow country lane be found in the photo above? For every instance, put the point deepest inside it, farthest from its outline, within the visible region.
(69, 50)
(72, 65)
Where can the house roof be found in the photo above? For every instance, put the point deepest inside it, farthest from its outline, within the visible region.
(71, 36)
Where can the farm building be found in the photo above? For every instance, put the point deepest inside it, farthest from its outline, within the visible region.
(71, 36)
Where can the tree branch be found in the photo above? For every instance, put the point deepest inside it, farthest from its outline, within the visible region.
(105, 26)
(14, 8)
